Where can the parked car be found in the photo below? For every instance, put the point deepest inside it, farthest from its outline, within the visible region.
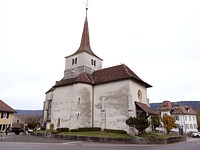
(16, 130)
(196, 134)
(30, 130)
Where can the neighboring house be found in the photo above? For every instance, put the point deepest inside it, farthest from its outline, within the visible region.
(185, 116)
(6, 116)
(89, 96)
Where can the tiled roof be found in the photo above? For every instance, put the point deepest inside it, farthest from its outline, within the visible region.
(115, 73)
(112, 74)
(5, 108)
(165, 106)
(186, 110)
(146, 108)
(82, 78)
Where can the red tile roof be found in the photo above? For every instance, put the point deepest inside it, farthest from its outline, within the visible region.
(82, 78)
(5, 108)
(112, 74)
(186, 110)
(146, 108)
(165, 106)
(116, 73)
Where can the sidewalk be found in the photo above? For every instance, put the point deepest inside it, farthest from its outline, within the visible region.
(192, 139)
(11, 137)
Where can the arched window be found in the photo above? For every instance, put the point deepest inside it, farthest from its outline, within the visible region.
(59, 121)
(75, 60)
(91, 61)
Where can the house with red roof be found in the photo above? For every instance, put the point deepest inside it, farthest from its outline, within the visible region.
(185, 116)
(6, 116)
(91, 96)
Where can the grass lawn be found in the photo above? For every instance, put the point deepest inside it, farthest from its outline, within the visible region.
(156, 135)
(98, 134)
(114, 135)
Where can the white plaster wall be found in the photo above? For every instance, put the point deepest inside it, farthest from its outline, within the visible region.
(183, 122)
(49, 95)
(73, 105)
(134, 87)
(83, 59)
(134, 91)
(62, 106)
(164, 112)
(82, 102)
(111, 102)
(190, 122)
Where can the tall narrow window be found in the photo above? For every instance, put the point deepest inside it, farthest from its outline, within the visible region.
(91, 61)
(72, 61)
(75, 60)
(94, 62)
(59, 121)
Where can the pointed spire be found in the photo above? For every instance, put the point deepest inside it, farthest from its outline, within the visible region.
(85, 40)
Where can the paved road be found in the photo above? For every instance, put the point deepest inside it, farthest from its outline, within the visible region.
(52, 144)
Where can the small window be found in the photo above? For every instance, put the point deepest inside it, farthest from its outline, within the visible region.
(94, 62)
(191, 126)
(72, 61)
(79, 100)
(185, 118)
(59, 121)
(176, 118)
(189, 118)
(75, 60)
(4, 115)
(91, 61)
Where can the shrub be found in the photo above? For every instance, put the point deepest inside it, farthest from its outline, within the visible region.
(86, 129)
(51, 126)
(115, 131)
(74, 130)
(89, 129)
(139, 123)
(62, 129)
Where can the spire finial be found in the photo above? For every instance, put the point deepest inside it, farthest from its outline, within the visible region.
(86, 6)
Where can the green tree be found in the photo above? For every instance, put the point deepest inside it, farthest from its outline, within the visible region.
(169, 123)
(139, 123)
(155, 121)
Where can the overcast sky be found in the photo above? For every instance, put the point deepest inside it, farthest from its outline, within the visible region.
(159, 40)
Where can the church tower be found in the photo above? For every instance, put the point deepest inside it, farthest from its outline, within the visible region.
(84, 59)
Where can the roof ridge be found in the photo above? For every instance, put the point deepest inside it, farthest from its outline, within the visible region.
(83, 73)
(127, 70)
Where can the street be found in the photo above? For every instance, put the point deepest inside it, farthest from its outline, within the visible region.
(52, 144)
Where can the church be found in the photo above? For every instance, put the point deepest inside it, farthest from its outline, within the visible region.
(91, 96)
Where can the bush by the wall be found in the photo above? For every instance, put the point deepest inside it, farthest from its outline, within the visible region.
(89, 129)
(62, 129)
(74, 130)
(115, 131)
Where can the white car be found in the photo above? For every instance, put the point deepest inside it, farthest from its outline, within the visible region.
(196, 134)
